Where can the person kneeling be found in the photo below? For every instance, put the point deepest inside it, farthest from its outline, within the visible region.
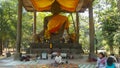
(58, 59)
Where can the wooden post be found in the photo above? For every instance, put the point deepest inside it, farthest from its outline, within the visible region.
(73, 22)
(77, 27)
(34, 24)
(34, 27)
(119, 50)
(0, 46)
(91, 31)
(19, 31)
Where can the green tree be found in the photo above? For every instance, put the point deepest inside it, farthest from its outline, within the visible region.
(118, 5)
(110, 23)
(8, 18)
(117, 39)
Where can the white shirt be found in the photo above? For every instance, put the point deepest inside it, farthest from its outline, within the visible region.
(99, 64)
(58, 59)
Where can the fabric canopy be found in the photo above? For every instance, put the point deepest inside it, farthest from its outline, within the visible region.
(68, 5)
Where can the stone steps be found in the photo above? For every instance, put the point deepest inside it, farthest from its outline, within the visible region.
(86, 66)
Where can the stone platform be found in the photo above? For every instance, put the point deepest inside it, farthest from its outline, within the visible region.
(72, 48)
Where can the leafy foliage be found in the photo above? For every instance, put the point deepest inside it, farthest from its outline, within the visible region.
(110, 19)
(8, 19)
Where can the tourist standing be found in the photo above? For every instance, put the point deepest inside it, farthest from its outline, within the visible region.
(114, 58)
(101, 61)
(110, 63)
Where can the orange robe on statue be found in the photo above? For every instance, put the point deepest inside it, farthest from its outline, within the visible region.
(56, 22)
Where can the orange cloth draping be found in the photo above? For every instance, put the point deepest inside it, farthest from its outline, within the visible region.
(57, 22)
(68, 5)
(42, 4)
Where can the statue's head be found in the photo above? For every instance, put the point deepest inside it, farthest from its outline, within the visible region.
(55, 8)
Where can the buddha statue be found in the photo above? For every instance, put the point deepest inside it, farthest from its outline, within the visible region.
(56, 24)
